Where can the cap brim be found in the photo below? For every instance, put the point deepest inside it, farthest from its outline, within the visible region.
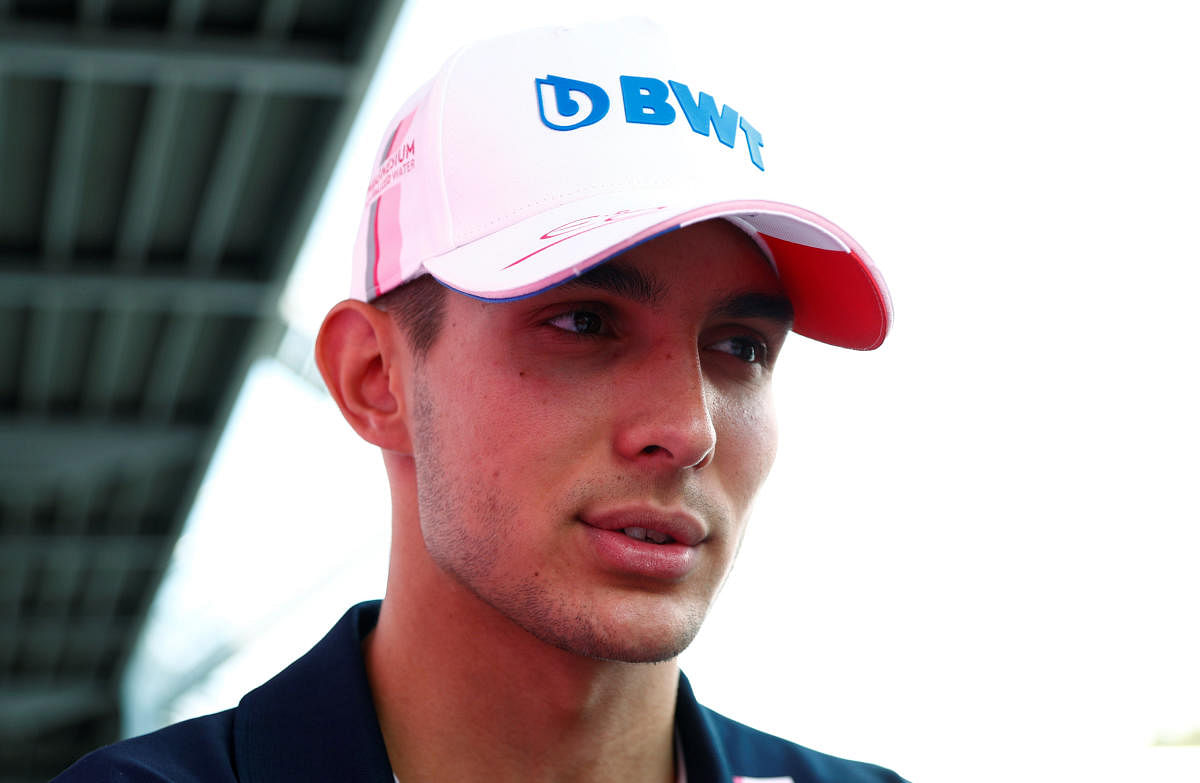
(838, 295)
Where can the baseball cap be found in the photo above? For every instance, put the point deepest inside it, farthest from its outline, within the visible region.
(533, 157)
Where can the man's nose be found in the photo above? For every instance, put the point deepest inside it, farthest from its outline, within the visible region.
(665, 416)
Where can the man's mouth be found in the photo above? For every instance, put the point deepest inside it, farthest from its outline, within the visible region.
(643, 534)
(649, 525)
(648, 541)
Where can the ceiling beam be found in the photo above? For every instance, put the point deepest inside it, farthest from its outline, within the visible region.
(150, 169)
(277, 18)
(58, 232)
(147, 292)
(146, 58)
(184, 15)
(114, 552)
(92, 12)
(66, 170)
(3, 98)
(150, 166)
(223, 194)
(95, 638)
(36, 376)
(171, 363)
(222, 197)
(27, 711)
(37, 450)
(106, 369)
(375, 30)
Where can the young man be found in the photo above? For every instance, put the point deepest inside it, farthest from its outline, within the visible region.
(570, 291)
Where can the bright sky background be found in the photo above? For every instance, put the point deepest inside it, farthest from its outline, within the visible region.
(976, 558)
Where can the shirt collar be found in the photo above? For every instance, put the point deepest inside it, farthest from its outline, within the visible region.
(316, 720)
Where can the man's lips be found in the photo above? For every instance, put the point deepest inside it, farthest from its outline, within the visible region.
(647, 543)
(653, 525)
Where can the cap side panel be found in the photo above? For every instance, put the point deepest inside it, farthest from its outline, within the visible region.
(387, 148)
(388, 228)
(437, 122)
(371, 271)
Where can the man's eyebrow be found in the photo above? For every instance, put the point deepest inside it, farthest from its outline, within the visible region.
(756, 305)
(632, 283)
(621, 280)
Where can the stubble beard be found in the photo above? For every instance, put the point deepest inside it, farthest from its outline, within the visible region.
(466, 533)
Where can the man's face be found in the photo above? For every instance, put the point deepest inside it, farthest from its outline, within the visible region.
(547, 431)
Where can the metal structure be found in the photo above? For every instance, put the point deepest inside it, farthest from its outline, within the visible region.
(160, 161)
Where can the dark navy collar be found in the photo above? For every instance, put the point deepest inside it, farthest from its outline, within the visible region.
(316, 719)
(702, 754)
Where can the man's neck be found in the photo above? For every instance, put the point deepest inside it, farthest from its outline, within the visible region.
(464, 694)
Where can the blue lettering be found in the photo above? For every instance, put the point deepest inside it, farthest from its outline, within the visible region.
(700, 114)
(566, 104)
(558, 102)
(754, 142)
(646, 101)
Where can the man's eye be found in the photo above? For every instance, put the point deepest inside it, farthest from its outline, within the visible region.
(748, 350)
(578, 322)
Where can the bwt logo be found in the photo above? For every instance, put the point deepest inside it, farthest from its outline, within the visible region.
(567, 104)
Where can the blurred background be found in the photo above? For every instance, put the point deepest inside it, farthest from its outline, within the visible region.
(977, 556)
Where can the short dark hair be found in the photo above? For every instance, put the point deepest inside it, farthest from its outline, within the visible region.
(418, 308)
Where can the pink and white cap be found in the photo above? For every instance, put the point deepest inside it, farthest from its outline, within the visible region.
(530, 159)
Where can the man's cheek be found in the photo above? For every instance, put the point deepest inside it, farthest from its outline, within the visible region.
(749, 470)
(748, 426)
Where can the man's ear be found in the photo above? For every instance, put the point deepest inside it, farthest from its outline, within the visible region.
(366, 361)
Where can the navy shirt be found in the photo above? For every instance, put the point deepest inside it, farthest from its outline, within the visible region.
(315, 721)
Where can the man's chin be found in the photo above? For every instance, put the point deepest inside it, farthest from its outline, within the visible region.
(631, 654)
(620, 642)
(621, 628)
